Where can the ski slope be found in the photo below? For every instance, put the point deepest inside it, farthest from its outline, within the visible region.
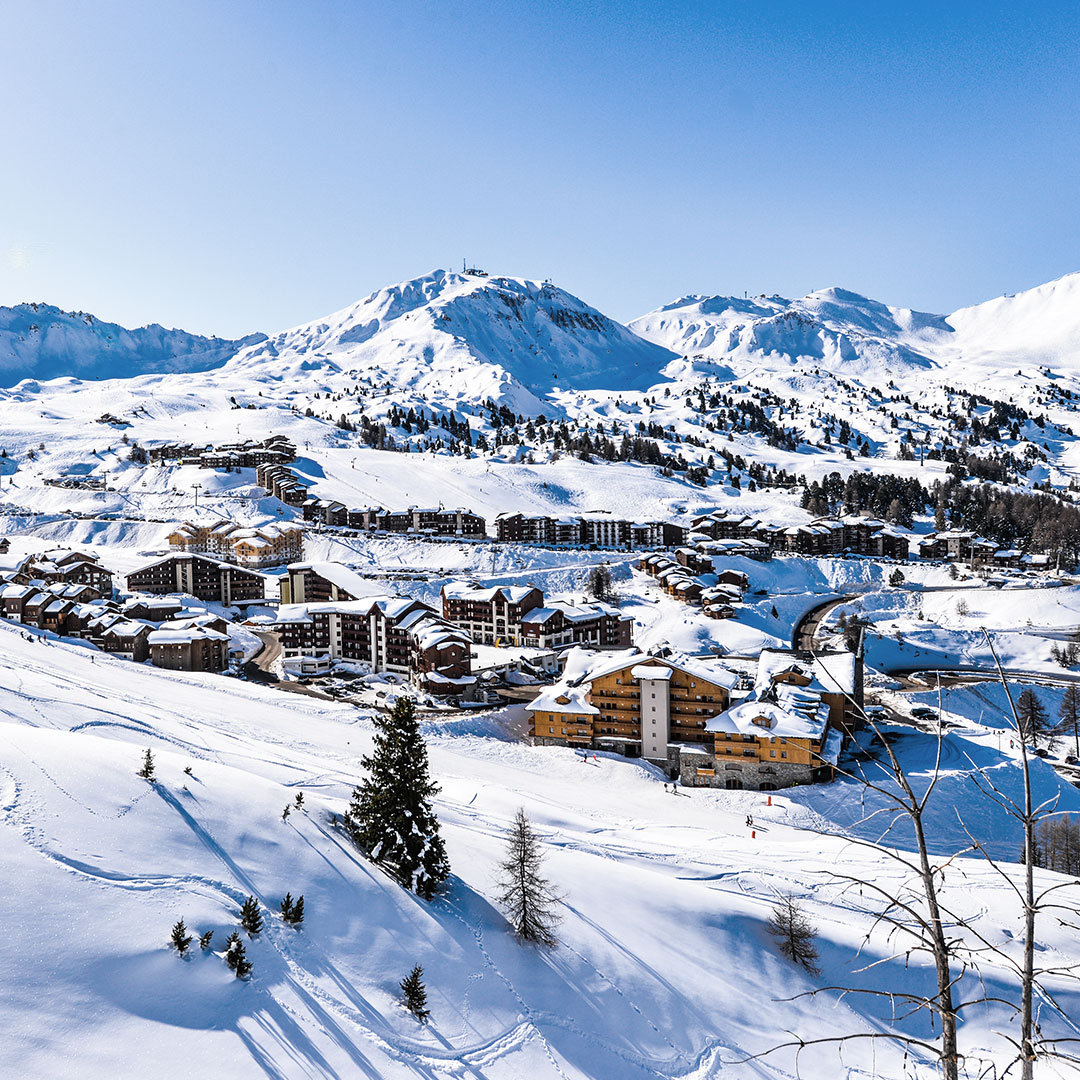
(665, 967)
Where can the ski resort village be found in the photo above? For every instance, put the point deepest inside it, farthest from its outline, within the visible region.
(468, 685)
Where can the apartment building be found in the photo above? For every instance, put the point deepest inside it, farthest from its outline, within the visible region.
(388, 633)
(490, 614)
(684, 714)
(201, 576)
(272, 544)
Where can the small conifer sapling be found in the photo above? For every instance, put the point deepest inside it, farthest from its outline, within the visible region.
(250, 916)
(147, 770)
(296, 917)
(181, 939)
(235, 956)
(286, 906)
(205, 939)
(414, 994)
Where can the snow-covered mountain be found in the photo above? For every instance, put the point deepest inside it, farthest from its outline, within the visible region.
(465, 337)
(857, 337)
(39, 341)
(839, 330)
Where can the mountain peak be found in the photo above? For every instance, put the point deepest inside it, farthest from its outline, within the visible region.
(467, 337)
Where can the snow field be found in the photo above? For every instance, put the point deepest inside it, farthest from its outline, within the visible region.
(666, 968)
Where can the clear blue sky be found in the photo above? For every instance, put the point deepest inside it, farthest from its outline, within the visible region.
(232, 166)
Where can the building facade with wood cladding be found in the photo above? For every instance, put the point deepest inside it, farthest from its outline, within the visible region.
(273, 544)
(687, 716)
(185, 645)
(631, 703)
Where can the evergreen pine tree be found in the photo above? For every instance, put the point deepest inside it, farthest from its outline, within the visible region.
(205, 939)
(390, 817)
(235, 956)
(1034, 723)
(414, 994)
(795, 934)
(250, 916)
(297, 915)
(147, 770)
(525, 893)
(181, 939)
(287, 907)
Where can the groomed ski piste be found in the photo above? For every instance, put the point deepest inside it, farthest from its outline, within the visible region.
(665, 967)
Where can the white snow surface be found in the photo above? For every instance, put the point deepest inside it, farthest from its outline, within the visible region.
(665, 966)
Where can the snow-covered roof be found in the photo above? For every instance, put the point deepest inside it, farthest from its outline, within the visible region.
(391, 606)
(571, 612)
(344, 577)
(471, 590)
(127, 628)
(563, 699)
(829, 672)
(652, 671)
(768, 719)
(836, 671)
(179, 636)
(584, 665)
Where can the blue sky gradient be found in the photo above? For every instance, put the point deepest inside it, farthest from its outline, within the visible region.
(227, 167)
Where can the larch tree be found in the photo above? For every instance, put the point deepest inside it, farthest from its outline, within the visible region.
(795, 934)
(1069, 715)
(601, 585)
(530, 903)
(391, 818)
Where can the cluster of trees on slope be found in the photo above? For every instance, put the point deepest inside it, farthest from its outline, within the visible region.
(391, 819)
(1030, 521)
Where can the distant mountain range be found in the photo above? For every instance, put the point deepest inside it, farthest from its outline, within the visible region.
(39, 341)
(851, 335)
(466, 337)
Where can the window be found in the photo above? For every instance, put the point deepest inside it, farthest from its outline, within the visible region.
(783, 753)
(772, 753)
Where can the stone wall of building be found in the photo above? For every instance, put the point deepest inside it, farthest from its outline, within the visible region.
(752, 775)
